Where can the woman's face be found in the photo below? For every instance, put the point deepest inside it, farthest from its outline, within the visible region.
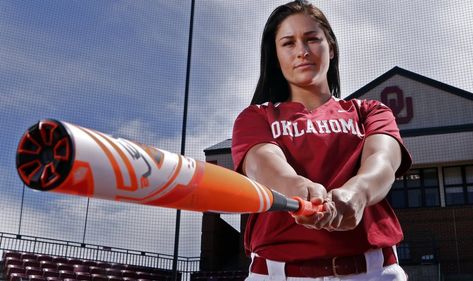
(303, 51)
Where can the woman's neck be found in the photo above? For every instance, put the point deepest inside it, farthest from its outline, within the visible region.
(311, 98)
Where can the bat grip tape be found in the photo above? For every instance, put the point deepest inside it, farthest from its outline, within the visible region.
(282, 203)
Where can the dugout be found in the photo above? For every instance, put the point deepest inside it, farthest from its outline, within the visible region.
(433, 200)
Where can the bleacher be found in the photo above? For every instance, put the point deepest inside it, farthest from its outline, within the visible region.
(24, 266)
(226, 275)
(30, 258)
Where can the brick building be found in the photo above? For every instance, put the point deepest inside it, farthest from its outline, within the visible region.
(433, 200)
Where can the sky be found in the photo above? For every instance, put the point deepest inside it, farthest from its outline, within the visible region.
(119, 67)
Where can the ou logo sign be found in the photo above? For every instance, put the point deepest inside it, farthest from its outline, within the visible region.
(394, 98)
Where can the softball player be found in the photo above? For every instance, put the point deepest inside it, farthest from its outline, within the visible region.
(300, 139)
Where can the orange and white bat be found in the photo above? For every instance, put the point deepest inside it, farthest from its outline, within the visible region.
(61, 157)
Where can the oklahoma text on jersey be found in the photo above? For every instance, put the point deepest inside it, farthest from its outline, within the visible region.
(330, 126)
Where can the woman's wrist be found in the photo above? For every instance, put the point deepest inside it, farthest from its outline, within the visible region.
(294, 185)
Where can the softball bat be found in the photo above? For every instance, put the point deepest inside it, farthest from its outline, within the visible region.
(61, 157)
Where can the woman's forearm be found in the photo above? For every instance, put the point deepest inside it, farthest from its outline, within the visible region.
(380, 159)
(267, 164)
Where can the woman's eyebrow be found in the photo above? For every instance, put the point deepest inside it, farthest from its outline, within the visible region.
(310, 32)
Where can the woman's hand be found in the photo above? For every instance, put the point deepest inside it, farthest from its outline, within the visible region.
(342, 210)
(317, 195)
(306, 189)
(349, 206)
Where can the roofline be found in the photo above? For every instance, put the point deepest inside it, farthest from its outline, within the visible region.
(411, 75)
(209, 152)
(437, 130)
(217, 145)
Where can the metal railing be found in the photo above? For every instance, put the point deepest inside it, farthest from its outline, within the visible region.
(68, 249)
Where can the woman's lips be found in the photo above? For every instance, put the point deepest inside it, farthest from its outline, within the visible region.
(304, 65)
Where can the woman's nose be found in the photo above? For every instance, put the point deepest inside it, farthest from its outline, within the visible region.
(303, 51)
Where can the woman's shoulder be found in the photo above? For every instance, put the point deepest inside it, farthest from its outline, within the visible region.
(363, 104)
(369, 108)
(251, 112)
(259, 108)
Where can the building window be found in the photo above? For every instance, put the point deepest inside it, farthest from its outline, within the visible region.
(417, 188)
(458, 182)
(403, 251)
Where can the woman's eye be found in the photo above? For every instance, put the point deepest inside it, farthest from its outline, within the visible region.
(314, 39)
(288, 43)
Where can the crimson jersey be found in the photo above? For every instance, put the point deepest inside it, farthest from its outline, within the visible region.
(325, 146)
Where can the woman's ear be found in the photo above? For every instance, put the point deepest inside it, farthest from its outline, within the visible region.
(331, 53)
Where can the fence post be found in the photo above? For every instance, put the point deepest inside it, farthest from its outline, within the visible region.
(21, 212)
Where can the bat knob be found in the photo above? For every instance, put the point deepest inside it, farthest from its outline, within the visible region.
(44, 156)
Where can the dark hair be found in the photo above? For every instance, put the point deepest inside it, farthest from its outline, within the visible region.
(272, 86)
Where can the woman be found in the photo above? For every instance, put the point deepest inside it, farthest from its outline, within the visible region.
(300, 139)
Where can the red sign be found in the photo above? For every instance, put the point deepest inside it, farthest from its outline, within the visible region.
(394, 98)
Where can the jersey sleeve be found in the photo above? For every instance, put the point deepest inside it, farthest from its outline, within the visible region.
(379, 119)
(250, 128)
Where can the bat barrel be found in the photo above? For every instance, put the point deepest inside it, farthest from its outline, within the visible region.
(45, 155)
